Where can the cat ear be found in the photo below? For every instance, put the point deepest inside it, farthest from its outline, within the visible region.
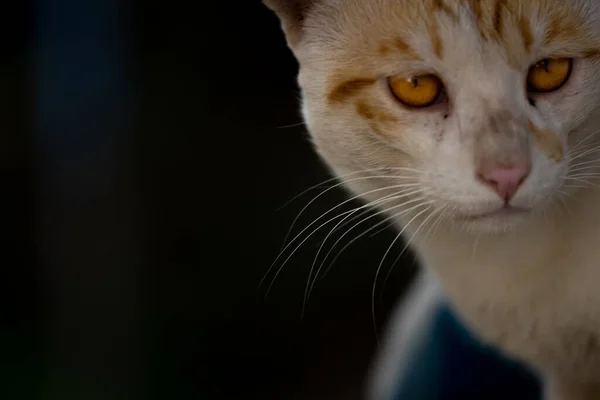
(291, 13)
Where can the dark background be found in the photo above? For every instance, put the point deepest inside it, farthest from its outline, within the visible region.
(131, 265)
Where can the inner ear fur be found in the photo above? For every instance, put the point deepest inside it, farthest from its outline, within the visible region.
(291, 13)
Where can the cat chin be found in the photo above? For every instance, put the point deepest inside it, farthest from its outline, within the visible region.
(497, 222)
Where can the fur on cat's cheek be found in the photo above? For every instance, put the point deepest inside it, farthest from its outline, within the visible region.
(376, 117)
(548, 141)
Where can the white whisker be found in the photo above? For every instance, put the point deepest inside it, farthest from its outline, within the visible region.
(298, 246)
(291, 125)
(351, 220)
(341, 177)
(322, 216)
(383, 260)
(574, 148)
(309, 290)
(383, 229)
(564, 204)
(577, 186)
(345, 202)
(308, 283)
(583, 181)
(442, 218)
(585, 175)
(475, 243)
(578, 169)
(582, 163)
(585, 153)
(368, 210)
(437, 211)
(358, 237)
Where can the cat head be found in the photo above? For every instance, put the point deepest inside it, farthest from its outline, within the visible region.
(482, 112)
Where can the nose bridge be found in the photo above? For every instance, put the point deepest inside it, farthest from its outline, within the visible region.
(493, 105)
(501, 137)
(505, 126)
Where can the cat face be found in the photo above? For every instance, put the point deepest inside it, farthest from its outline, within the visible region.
(483, 113)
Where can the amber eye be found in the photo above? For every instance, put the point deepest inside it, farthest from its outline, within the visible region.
(549, 75)
(418, 91)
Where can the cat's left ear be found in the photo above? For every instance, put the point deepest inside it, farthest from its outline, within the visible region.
(291, 13)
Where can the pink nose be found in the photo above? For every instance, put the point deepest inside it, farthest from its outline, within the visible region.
(505, 181)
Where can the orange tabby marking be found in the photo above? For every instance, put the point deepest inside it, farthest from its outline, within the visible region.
(525, 29)
(548, 142)
(440, 5)
(388, 46)
(369, 112)
(349, 88)
(436, 42)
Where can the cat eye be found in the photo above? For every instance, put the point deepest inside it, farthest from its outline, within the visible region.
(417, 91)
(549, 75)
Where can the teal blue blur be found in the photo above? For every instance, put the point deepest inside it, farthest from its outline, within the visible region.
(451, 364)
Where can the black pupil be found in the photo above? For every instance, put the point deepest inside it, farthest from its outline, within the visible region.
(545, 64)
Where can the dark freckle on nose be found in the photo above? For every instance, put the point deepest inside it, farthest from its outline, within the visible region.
(446, 116)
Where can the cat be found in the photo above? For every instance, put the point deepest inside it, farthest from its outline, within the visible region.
(473, 123)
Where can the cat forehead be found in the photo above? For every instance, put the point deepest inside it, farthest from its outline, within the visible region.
(363, 32)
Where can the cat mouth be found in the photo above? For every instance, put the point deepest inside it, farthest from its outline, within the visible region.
(503, 212)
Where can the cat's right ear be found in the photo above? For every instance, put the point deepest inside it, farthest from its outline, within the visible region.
(291, 13)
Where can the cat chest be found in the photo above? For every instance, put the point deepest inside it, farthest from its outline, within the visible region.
(552, 338)
(553, 324)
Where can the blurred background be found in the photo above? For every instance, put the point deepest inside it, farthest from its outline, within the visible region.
(147, 151)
